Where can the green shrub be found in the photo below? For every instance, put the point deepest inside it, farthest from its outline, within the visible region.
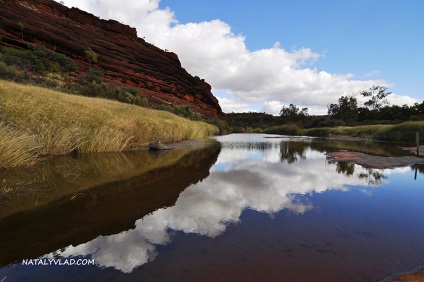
(37, 59)
(182, 110)
(45, 82)
(405, 132)
(318, 132)
(223, 126)
(103, 90)
(287, 129)
(330, 123)
(94, 75)
(66, 64)
(10, 73)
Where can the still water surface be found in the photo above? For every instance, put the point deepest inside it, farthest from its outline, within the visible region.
(252, 208)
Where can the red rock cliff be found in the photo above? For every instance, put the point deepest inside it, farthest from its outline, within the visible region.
(122, 56)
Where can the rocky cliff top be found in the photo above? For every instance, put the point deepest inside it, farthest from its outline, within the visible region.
(124, 58)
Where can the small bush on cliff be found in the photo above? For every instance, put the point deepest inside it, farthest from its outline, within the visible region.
(95, 75)
(37, 59)
(91, 56)
(10, 73)
(66, 64)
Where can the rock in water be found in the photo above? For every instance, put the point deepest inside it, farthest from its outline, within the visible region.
(157, 145)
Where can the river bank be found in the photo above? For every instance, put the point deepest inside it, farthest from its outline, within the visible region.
(414, 275)
(36, 122)
(371, 160)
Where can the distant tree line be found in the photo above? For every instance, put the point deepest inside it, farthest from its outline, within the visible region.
(375, 109)
(251, 121)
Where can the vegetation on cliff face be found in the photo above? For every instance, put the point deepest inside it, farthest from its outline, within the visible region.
(39, 66)
(43, 67)
(37, 122)
(110, 52)
(37, 59)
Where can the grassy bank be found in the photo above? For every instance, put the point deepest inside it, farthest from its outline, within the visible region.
(36, 122)
(403, 132)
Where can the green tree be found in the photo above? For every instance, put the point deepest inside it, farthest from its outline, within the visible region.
(346, 110)
(91, 56)
(293, 113)
(22, 27)
(66, 64)
(37, 59)
(17, 58)
(419, 108)
(377, 96)
(95, 75)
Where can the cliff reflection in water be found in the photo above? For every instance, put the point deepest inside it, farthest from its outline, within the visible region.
(66, 201)
(265, 176)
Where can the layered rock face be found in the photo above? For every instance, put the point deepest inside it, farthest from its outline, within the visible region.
(123, 57)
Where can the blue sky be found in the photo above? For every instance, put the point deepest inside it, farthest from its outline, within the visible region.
(354, 36)
(325, 49)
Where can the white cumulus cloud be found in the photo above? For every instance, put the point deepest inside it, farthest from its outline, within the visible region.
(211, 50)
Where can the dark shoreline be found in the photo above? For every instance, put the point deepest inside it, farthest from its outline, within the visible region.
(413, 275)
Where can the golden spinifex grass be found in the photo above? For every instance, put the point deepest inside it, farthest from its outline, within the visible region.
(37, 122)
(17, 147)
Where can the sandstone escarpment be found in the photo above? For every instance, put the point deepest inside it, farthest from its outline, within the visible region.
(124, 58)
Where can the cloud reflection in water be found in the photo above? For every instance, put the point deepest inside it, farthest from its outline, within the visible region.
(257, 179)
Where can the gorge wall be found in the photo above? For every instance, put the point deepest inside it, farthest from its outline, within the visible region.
(124, 58)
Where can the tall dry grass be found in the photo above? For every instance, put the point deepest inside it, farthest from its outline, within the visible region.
(38, 121)
(16, 147)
